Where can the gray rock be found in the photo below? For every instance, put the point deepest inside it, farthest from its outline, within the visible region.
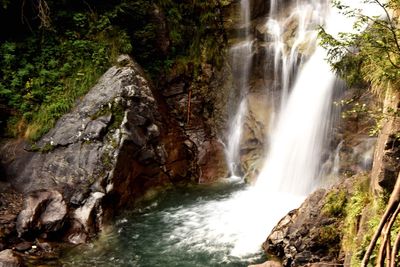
(43, 211)
(115, 145)
(95, 128)
(91, 209)
(9, 259)
(23, 246)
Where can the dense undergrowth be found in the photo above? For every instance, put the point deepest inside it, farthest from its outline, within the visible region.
(358, 212)
(370, 55)
(59, 49)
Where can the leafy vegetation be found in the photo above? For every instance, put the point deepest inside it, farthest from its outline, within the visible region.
(335, 203)
(372, 53)
(44, 73)
(62, 48)
(372, 56)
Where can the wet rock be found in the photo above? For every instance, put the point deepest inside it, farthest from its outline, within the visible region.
(255, 128)
(262, 31)
(90, 212)
(12, 204)
(174, 89)
(44, 211)
(232, 16)
(390, 161)
(76, 234)
(9, 259)
(23, 246)
(306, 235)
(45, 246)
(212, 161)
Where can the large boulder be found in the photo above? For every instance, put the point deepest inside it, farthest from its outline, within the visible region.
(108, 152)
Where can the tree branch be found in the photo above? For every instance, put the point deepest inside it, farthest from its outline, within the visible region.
(390, 210)
(391, 28)
(395, 251)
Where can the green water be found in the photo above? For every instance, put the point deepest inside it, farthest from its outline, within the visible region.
(187, 227)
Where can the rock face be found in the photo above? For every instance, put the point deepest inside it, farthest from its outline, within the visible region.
(106, 153)
(306, 235)
(44, 211)
(387, 153)
(11, 203)
(212, 161)
(254, 135)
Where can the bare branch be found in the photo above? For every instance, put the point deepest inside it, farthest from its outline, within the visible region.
(396, 248)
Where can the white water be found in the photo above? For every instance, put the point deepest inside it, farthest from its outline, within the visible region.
(240, 222)
(235, 135)
(234, 226)
(245, 218)
(288, 50)
(293, 161)
(336, 161)
(241, 58)
(294, 158)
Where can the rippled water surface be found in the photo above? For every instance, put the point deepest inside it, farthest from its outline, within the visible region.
(199, 226)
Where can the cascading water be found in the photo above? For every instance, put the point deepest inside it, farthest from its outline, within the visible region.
(293, 160)
(227, 228)
(288, 54)
(241, 57)
(294, 156)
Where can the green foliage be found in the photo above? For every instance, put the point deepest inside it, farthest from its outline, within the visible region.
(372, 54)
(43, 75)
(335, 203)
(4, 3)
(358, 201)
(362, 215)
(196, 34)
(46, 70)
(330, 236)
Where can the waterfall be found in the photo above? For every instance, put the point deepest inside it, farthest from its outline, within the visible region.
(305, 82)
(228, 226)
(294, 157)
(241, 58)
(303, 18)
